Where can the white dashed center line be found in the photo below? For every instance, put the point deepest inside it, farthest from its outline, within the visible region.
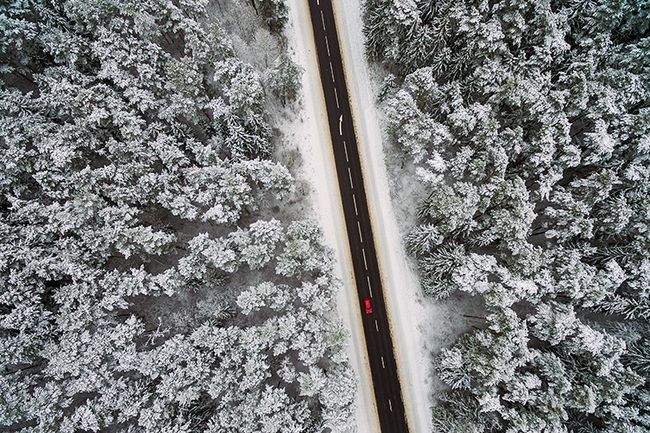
(390, 405)
(369, 285)
(382, 363)
(345, 147)
(376, 325)
(322, 19)
(336, 96)
(327, 44)
(354, 199)
(359, 228)
(365, 264)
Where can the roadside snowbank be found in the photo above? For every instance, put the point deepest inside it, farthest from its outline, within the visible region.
(420, 327)
(310, 133)
(408, 314)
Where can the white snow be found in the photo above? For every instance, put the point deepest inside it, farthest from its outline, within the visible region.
(419, 326)
(407, 312)
(310, 133)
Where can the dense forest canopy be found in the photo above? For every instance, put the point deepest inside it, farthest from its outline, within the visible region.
(529, 124)
(141, 289)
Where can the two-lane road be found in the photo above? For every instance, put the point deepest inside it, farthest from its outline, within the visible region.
(357, 219)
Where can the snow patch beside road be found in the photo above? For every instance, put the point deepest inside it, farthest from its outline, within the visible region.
(420, 326)
(409, 314)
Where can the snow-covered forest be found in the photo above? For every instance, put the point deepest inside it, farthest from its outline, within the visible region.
(529, 123)
(152, 278)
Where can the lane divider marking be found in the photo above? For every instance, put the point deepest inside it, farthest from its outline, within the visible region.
(359, 227)
(376, 325)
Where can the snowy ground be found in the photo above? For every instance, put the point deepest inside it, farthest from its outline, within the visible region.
(419, 326)
(407, 313)
(309, 131)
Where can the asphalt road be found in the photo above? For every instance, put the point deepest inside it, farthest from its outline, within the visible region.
(364, 260)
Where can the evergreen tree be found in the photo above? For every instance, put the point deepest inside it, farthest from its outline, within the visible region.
(274, 13)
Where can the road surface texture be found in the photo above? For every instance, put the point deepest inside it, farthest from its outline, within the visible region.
(366, 270)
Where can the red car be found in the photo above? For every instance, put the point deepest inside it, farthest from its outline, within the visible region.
(368, 305)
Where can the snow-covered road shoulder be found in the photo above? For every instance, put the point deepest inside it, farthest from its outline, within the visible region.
(401, 286)
(310, 132)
